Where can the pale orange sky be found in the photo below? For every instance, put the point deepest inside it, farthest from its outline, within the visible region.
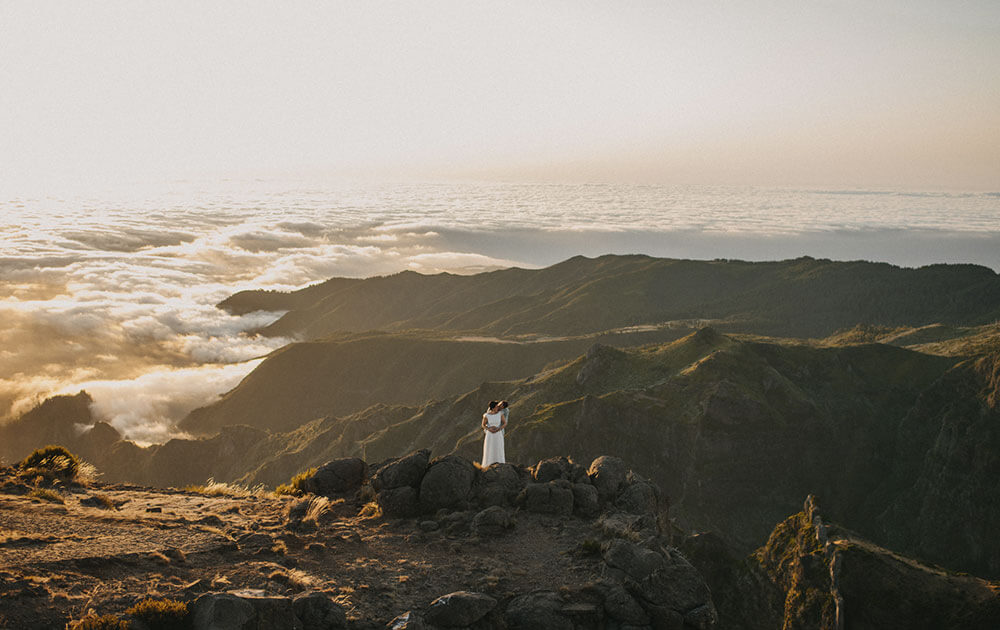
(846, 94)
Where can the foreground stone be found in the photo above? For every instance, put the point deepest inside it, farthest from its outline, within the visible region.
(459, 609)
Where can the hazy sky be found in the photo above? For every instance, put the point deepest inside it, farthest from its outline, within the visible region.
(847, 94)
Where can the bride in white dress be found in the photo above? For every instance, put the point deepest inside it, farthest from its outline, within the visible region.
(494, 423)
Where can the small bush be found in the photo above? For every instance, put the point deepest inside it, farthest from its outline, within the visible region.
(294, 487)
(51, 462)
(101, 501)
(160, 614)
(46, 495)
(590, 547)
(104, 622)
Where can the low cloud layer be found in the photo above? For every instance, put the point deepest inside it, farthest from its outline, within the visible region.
(118, 296)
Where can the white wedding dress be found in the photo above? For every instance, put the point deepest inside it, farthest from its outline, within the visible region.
(493, 443)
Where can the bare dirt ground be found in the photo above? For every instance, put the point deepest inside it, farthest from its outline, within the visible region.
(59, 561)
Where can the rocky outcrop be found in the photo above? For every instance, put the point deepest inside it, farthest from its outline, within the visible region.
(814, 575)
(411, 485)
(337, 478)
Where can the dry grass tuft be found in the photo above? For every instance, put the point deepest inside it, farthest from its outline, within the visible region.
(213, 488)
(156, 556)
(87, 473)
(160, 614)
(103, 502)
(370, 510)
(295, 486)
(46, 495)
(51, 463)
(104, 622)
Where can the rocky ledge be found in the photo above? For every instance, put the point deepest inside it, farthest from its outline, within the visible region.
(412, 542)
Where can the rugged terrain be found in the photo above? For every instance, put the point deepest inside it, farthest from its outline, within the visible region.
(422, 543)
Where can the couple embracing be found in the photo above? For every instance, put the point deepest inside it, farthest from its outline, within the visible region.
(494, 423)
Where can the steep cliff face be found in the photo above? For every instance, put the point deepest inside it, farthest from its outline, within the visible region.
(819, 576)
(948, 471)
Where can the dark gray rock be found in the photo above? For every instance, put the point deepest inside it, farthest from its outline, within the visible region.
(639, 497)
(447, 483)
(665, 617)
(585, 501)
(401, 502)
(536, 611)
(608, 475)
(551, 469)
(221, 611)
(272, 612)
(341, 476)
(499, 485)
(316, 611)
(405, 471)
(637, 562)
(491, 522)
(678, 585)
(619, 605)
(547, 498)
(701, 618)
(458, 609)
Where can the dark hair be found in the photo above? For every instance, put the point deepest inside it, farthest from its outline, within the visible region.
(503, 404)
(493, 404)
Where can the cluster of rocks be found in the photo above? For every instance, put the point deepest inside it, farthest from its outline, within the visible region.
(645, 583)
(409, 486)
(251, 609)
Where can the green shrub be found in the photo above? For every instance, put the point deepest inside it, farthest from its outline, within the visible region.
(160, 614)
(46, 495)
(51, 462)
(104, 622)
(294, 487)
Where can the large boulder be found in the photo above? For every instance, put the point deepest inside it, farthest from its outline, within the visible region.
(402, 502)
(554, 497)
(499, 485)
(618, 604)
(341, 476)
(551, 469)
(635, 561)
(316, 611)
(405, 471)
(639, 497)
(221, 611)
(459, 609)
(609, 475)
(447, 483)
(536, 611)
(585, 501)
(491, 522)
(272, 612)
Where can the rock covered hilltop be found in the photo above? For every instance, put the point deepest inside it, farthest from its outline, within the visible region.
(413, 542)
(420, 542)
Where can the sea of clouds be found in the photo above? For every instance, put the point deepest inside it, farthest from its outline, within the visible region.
(115, 293)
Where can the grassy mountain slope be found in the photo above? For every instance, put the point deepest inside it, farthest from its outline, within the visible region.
(802, 297)
(346, 373)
